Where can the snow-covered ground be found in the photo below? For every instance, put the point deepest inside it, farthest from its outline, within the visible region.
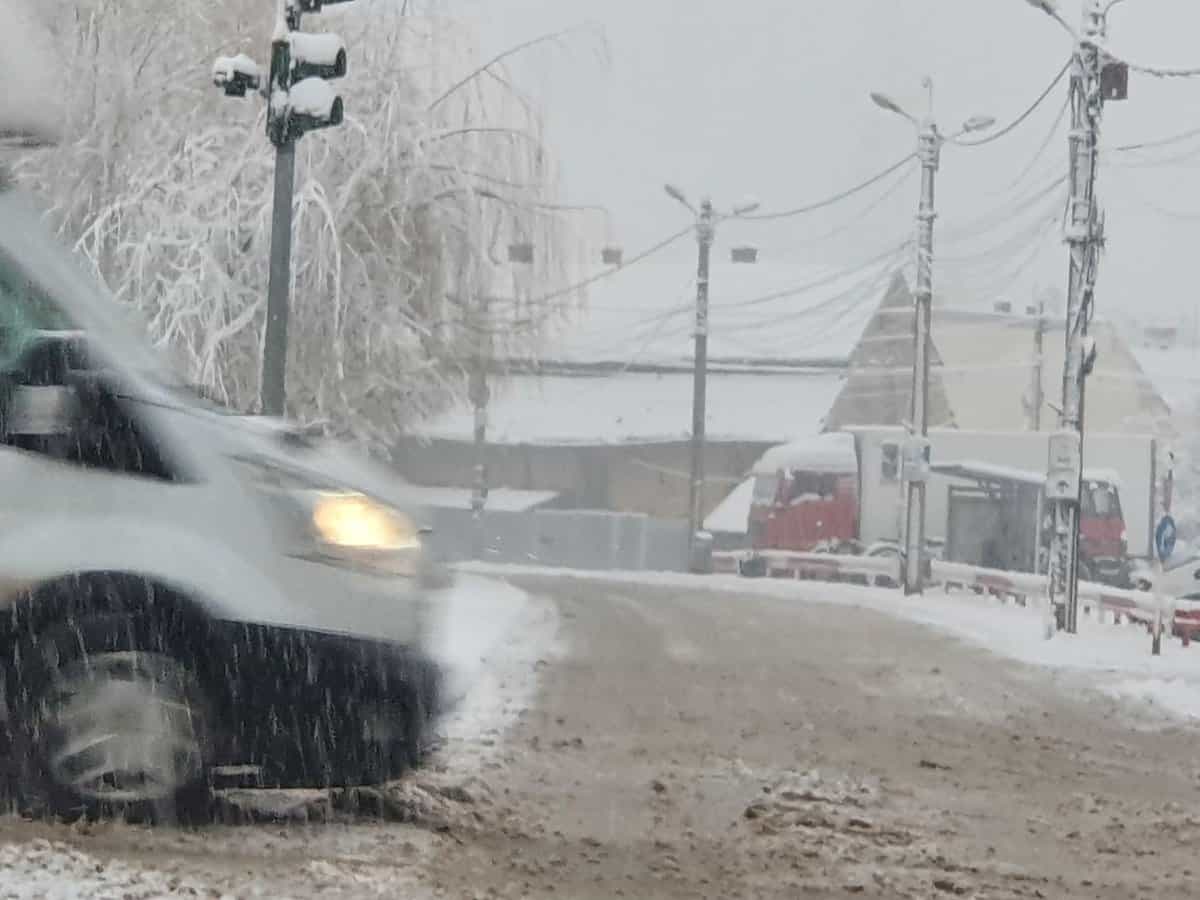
(1115, 659)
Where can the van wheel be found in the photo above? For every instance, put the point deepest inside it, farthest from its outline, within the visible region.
(110, 721)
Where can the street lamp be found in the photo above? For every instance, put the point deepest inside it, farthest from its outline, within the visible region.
(916, 456)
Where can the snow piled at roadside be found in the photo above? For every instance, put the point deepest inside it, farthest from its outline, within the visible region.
(1115, 659)
(42, 870)
(490, 639)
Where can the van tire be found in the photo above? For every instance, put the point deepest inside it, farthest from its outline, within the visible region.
(73, 763)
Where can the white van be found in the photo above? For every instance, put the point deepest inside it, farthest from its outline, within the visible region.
(184, 589)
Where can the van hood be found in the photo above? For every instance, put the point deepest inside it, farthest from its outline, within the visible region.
(304, 451)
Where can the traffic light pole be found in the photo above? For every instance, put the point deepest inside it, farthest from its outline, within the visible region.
(275, 340)
(275, 337)
(1084, 237)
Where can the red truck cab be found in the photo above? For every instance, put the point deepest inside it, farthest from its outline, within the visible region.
(806, 496)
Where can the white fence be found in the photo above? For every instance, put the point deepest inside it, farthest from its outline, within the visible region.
(1098, 601)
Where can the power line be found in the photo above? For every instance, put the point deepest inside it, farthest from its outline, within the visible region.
(995, 136)
(1158, 142)
(820, 282)
(1045, 145)
(836, 198)
(1001, 215)
(862, 214)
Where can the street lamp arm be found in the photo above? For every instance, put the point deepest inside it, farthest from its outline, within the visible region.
(679, 196)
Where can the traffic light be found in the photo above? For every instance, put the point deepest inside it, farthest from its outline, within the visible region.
(301, 98)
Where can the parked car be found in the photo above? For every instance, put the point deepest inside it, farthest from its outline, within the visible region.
(185, 589)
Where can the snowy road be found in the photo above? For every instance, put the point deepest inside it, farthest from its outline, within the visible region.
(751, 742)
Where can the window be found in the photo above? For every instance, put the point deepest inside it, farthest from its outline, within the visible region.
(24, 310)
(890, 466)
(765, 487)
(808, 486)
(1100, 500)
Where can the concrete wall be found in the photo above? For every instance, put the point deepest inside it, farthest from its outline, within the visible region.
(575, 539)
(640, 478)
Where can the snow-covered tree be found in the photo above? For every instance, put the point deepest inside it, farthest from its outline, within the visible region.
(403, 215)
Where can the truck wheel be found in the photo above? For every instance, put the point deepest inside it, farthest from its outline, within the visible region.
(110, 722)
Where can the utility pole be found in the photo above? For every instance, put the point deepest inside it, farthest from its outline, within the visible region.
(480, 394)
(704, 238)
(706, 219)
(917, 452)
(929, 146)
(299, 101)
(1094, 78)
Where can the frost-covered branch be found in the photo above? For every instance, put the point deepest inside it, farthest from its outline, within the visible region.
(403, 216)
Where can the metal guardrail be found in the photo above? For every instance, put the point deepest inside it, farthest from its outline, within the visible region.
(1144, 607)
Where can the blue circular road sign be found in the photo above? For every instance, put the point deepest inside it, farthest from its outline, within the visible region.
(1164, 538)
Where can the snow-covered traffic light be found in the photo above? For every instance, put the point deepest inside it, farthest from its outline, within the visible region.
(301, 98)
(236, 75)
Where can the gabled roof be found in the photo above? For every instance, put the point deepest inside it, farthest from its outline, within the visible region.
(878, 388)
(983, 370)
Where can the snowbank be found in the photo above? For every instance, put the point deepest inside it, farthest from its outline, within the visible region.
(42, 870)
(490, 637)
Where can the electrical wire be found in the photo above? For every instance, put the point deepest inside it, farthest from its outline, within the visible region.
(1045, 145)
(787, 293)
(1158, 142)
(830, 201)
(531, 322)
(1016, 123)
(1001, 215)
(862, 214)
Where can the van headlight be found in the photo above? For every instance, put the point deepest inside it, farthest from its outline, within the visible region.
(336, 526)
(356, 522)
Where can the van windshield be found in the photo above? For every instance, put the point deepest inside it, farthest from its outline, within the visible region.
(46, 287)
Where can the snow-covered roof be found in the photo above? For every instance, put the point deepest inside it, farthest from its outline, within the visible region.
(732, 515)
(759, 312)
(639, 407)
(31, 103)
(973, 468)
(1175, 373)
(983, 372)
(831, 453)
(498, 499)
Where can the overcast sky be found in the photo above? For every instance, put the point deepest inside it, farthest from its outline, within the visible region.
(769, 98)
